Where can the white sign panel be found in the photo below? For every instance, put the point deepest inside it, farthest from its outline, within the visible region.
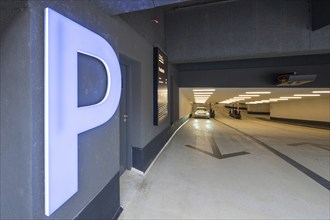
(64, 120)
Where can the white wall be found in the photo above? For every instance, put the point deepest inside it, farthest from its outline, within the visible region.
(311, 109)
(184, 105)
(259, 108)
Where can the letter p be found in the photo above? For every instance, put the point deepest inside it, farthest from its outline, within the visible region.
(64, 120)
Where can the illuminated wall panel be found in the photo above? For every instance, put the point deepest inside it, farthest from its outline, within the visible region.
(160, 86)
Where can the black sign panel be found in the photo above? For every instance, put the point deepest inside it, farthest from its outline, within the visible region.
(160, 86)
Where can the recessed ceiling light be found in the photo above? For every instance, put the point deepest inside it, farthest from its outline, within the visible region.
(291, 97)
(258, 92)
(249, 95)
(321, 91)
(306, 95)
(203, 90)
(242, 97)
(203, 93)
(278, 99)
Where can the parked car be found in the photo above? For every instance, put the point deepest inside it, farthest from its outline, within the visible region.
(201, 112)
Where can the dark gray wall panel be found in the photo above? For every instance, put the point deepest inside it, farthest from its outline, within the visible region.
(105, 205)
(16, 120)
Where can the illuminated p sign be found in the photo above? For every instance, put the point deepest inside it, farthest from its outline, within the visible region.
(64, 120)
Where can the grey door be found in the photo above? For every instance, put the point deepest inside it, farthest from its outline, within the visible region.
(123, 120)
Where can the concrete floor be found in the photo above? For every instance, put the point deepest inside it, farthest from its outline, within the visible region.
(193, 180)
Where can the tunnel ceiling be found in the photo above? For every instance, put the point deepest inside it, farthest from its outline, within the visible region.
(10, 8)
(221, 94)
(113, 7)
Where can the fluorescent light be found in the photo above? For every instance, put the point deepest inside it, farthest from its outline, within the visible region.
(278, 99)
(321, 91)
(201, 98)
(258, 92)
(291, 97)
(249, 95)
(306, 95)
(203, 90)
(242, 97)
(203, 93)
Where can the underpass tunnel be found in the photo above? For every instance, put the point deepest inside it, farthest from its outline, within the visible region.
(309, 106)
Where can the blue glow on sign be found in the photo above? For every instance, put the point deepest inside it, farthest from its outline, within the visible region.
(64, 120)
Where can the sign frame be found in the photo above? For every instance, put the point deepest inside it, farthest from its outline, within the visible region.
(160, 86)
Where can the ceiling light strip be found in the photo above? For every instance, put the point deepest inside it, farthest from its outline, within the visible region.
(321, 92)
(203, 90)
(307, 95)
(249, 95)
(261, 92)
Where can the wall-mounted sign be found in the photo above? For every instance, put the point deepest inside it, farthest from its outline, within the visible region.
(160, 86)
(64, 120)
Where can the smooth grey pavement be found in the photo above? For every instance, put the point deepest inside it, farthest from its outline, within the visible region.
(226, 168)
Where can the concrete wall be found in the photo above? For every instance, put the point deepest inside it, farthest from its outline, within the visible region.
(259, 108)
(174, 93)
(16, 120)
(139, 46)
(243, 29)
(263, 77)
(311, 109)
(185, 107)
(22, 147)
(142, 23)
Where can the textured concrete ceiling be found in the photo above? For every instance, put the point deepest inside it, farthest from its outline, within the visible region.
(10, 8)
(113, 7)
